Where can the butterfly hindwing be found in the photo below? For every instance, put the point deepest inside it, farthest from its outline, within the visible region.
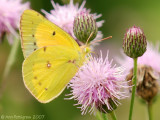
(36, 32)
(47, 71)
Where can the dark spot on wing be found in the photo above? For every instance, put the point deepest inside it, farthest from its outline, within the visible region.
(32, 35)
(34, 49)
(71, 61)
(44, 49)
(46, 88)
(39, 83)
(54, 33)
(35, 77)
(34, 43)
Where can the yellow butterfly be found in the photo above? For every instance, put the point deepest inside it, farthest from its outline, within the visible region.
(52, 56)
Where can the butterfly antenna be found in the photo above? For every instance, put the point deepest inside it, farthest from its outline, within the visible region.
(100, 40)
(89, 38)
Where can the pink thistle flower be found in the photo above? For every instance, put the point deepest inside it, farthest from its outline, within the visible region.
(10, 16)
(98, 82)
(63, 16)
(150, 58)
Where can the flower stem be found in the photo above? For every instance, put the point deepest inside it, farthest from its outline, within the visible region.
(134, 81)
(98, 115)
(104, 115)
(11, 58)
(149, 107)
(113, 115)
(101, 116)
(10, 62)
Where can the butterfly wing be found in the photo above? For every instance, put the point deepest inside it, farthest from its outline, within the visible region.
(36, 32)
(47, 71)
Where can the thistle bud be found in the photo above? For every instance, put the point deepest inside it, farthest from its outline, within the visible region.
(84, 25)
(134, 43)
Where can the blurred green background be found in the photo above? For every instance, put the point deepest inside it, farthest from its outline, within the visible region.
(118, 16)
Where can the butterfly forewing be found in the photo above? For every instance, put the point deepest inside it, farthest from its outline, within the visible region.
(36, 32)
(47, 71)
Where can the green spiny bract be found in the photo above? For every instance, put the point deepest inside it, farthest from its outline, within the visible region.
(134, 43)
(84, 25)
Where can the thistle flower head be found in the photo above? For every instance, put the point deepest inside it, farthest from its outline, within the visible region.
(10, 15)
(99, 85)
(84, 25)
(134, 43)
(63, 16)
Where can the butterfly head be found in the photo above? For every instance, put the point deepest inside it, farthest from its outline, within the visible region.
(86, 49)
